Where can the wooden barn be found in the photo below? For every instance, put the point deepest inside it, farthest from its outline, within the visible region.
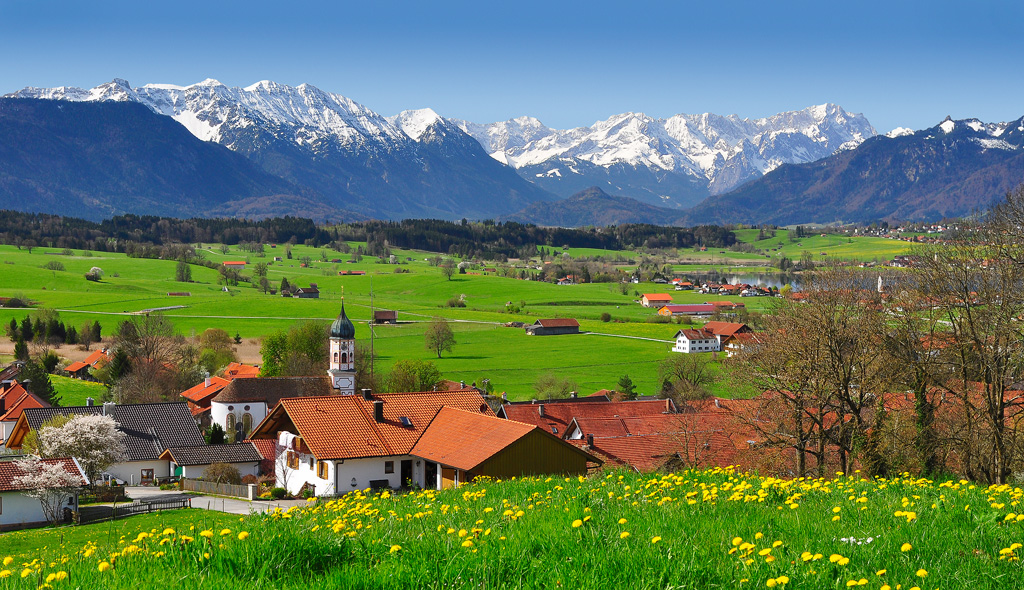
(467, 445)
(385, 316)
(553, 327)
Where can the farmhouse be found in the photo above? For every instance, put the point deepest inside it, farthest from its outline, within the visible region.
(199, 397)
(235, 264)
(696, 340)
(552, 327)
(192, 461)
(149, 429)
(80, 369)
(17, 509)
(307, 293)
(15, 399)
(655, 299)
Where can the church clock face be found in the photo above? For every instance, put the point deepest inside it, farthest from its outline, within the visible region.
(344, 382)
(344, 346)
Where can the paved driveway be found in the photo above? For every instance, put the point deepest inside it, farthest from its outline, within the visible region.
(230, 505)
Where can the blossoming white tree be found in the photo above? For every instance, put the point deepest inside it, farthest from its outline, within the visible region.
(49, 482)
(92, 439)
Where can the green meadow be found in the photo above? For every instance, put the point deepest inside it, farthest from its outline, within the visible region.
(697, 529)
(485, 349)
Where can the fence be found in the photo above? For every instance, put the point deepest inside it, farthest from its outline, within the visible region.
(220, 489)
(94, 513)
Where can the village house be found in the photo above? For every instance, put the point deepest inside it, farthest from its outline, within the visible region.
(311, 292)
(150, 429)
(552, 327)
(693, 310)
(15, 399)
(192, 461)
(235, 264)
(80, 369)
(655, 299)
(696, 340)
(19, 510)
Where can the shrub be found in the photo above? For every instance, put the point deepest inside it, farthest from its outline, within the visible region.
(606, 317)
(278, 493)
(223, 473)
(456, 302)
(250, 480)
(659, 319)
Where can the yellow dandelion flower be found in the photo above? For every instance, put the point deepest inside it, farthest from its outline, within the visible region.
(5, 573)
(880, 572)
(777, 544)
(737, 540)
(395, 548)
(577, 523)
(834, 557)
(225, 532)
(243, 535)
(207, 533)
(922, 573)
(655, 540)
(782, 580)
(771, 583)
(168, 531)
(622, 521)
(467, 543)
(758, 536)
(8, 561)
(850, 583)
(765, 551)
(906, 547)
(623, 534)
(26, 572)
(463, 533)
(885, 587)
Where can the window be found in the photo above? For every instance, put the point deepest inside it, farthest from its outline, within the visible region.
(311, 462)
(246, 424)
(389, 467)
(147, 475)
(292, 460)
(321, 469)
(335, 358)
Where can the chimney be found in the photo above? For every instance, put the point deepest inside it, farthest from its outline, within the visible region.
(378, 410)
(540, 410)
(89, 401)
(108, 408)
(367, 394)
(590, 441)
(504, 396)
(207, 383)
(462, 384)
(572, 394)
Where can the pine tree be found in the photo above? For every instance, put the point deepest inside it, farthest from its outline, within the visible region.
(39, 382)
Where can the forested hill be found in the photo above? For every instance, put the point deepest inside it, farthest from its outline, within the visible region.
(463, 238)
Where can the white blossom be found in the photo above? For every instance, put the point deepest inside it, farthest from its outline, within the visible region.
(48, 482)
(92, 439)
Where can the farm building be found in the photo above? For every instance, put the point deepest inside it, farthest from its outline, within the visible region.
(80, 369)
(553, 327)
(193, 461)
(385, 316)
(236, 264)
(469, 444)
(307, 293)
(17, 509)
(695, 310)
(696, 340)
(655, 299)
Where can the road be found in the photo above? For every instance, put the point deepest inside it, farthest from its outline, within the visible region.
(229, 505)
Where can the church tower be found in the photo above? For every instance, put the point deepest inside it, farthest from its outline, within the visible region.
(342, 354)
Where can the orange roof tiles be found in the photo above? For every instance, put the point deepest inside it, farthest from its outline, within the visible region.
(657, 297)
(726, 328)
(557, 416)
(16, 400)
(343, 426)
(205, 390)
(463, 440)
(236, 370)
(558, 323)
(76, 366)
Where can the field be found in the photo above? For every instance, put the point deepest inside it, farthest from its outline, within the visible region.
(697, 529)
(485, 349)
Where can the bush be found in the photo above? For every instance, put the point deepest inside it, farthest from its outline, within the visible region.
(278, 493)
(456, 302)
(659, 319)
(606, 317)
(250, 480)
(223, 473)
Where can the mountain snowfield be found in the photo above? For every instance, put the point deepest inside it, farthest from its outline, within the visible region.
(674, 162)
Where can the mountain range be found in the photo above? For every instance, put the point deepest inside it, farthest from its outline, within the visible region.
(272, 149)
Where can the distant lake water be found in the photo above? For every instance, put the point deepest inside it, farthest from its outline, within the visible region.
(767, 279)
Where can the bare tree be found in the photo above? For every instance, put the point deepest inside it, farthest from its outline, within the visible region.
(439, 336)
(448, 268)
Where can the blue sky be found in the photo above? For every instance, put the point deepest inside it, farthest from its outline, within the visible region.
(900, 63)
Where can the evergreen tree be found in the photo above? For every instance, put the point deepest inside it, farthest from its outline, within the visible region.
(39, 382)
(12, 331)
(215, 435)
(626, 387)
(20, 350)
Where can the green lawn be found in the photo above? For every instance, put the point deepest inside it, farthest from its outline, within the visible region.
(73, 392)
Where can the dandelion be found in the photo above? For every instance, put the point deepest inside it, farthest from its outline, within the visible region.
(225, 532)
(26, 573)
(922, 573)
(577, 523)
(103, 566)
(8, 561)
(243, 535)
(782, 580)
(655, 540)
(906, 547)
(880, 573)
(623, 534)
(622, 521)
(5, 573)
(737, 540)
(771, 583)
(207, 534)
(168, 531)
(467, 543)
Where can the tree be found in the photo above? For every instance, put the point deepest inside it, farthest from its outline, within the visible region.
(626, 387)
(439, 336)
(48, 482)
(94, 440)
(85, 335)
(685, 376)
(413, 375)
(216, 349)
(20, 350)
(448, 268)
(38, 382)
(215, 435)
(222, 473)
(183, 272)
(550, 386)
(302, 350)
(54, 265)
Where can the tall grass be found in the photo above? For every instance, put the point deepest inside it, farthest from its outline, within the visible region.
(700, 529)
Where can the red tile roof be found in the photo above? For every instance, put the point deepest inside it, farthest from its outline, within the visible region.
(234, 370)
(343, 426)
(691, 308)
(726, 328)
(633, 425)
(557, 416)
(203, 392)
(463, 440)
(695, 334)
(17, 400)
(653, 451)
(658, 296)
(11, 470)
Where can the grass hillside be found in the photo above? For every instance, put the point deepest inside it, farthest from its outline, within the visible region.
(697, 529)
(485, 349)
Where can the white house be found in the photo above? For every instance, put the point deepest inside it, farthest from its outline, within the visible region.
(149, 430)
(18, 510)
(696, 340)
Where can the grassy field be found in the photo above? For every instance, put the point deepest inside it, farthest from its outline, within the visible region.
(73, 392)
(697, 529)
(512, 361)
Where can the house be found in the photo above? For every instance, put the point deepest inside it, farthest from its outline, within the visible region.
(696, 340)
(727, 329)
(307, 293)
(552, 327)
(235, 264)
(19, 510)
(199, 397)
(236, 370)
(14, 400)
(192, 461)
(684, 286)
(694, 310)
(339, 443)
(466, 445)
(655, 299)
(149, 429)
(604, 426)
(740, 342)
(385, 316)
(554, 416)
(80, 369)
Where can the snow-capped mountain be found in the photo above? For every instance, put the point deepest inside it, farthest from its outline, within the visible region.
(417, 164)
(676, 161)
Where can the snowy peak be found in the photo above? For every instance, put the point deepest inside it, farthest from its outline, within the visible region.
(416, 122)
